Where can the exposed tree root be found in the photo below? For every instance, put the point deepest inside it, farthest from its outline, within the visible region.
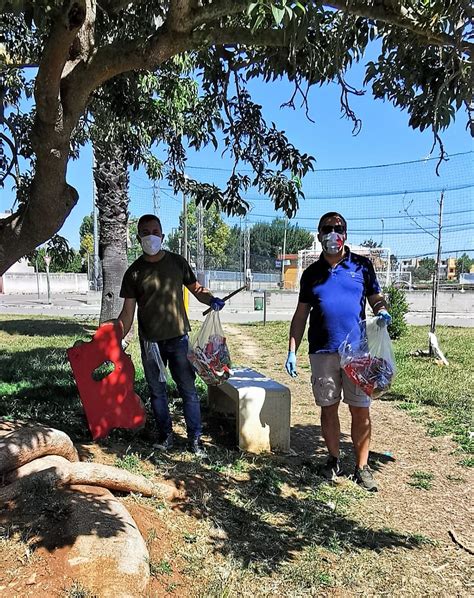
(54, 471)
(37, 461)
(30, 442)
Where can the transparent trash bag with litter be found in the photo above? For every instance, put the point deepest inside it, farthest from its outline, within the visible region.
(208, 351)
(367, 357)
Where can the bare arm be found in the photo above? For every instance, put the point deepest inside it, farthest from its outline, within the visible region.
(298, 325)
(201, 293)
(377, 302)
(127, 314)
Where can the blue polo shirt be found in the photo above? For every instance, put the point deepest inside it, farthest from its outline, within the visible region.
(337, 297)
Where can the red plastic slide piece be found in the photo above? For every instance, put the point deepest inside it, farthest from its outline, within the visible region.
(111, 402)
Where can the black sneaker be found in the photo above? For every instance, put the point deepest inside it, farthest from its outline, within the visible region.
(363, 476)
(331, 469)
(195, 446)
(164, 444)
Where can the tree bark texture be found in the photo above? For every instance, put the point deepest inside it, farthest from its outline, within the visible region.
(31, 442)
(54, 472)
(32, 455)
(111, 180)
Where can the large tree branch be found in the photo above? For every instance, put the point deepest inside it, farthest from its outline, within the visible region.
(56, 53)
(115, 6)
(396, 14)
(272, 38)
(179, 15)
(392, 13)
(118, 58)
(217, 10)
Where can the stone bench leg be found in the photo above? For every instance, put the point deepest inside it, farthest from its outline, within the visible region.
(262, 417)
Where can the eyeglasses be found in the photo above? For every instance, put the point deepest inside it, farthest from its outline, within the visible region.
(337, 228)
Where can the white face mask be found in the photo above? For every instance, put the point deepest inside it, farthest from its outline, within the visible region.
(151, 244)
(332, 242)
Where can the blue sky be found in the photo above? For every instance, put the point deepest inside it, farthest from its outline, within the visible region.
(385, 138)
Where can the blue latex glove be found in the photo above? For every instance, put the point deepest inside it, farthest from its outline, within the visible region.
(217, 304)
(290, 364)
(384, 318)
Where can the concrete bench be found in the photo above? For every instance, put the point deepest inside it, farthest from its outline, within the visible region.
(261, 407)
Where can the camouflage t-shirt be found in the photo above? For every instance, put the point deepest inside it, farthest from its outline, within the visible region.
(158, 289)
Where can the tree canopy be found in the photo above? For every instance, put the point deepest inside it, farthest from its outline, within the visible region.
(464, 264)
(215, 236)
(425, 269)
(267, 240)
(424, 67)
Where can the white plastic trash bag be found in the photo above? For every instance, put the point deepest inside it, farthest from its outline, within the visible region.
(152, 351)
(208, 351)
(367, 357)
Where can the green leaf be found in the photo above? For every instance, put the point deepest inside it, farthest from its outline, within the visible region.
(252, 7)
(278, 14)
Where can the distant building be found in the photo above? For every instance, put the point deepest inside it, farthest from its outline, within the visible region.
(20, 267)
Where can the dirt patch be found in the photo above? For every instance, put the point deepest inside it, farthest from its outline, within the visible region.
(165, 566)
(247, 345)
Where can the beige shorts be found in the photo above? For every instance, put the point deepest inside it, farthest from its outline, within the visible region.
(328, 380)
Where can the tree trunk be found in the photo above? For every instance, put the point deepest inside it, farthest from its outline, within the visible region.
(111, 180)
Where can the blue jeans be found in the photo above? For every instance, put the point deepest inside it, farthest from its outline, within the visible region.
(174, 354)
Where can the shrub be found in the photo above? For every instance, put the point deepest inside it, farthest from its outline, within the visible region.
(398, 307)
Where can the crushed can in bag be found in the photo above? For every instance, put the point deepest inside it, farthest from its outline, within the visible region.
(367, 357)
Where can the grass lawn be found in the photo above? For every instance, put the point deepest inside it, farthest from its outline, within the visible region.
(268, 525)
(36, 380)
(442, 397)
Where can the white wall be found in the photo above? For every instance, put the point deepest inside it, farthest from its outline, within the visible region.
(59, 283)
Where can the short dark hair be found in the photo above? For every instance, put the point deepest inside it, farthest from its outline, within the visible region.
(146, 218)
(331, 215)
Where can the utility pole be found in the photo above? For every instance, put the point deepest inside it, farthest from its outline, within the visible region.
(283, 257)
(47, 261)
(37, 276)
(156, 199)
(185, 228)
(434, 294)
(388, 272)
(241, 258)
(200, 244)
(246, 264)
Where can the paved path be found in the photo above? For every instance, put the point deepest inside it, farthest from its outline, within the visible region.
(237, 311)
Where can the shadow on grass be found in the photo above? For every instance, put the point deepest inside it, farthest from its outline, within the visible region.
(38, 384)
(266, 509)
(47, 327)
(393, 396)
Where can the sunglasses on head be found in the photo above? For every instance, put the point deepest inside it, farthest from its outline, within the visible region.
(337, 228)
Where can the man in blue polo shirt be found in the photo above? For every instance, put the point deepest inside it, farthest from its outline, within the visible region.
(333, 293)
